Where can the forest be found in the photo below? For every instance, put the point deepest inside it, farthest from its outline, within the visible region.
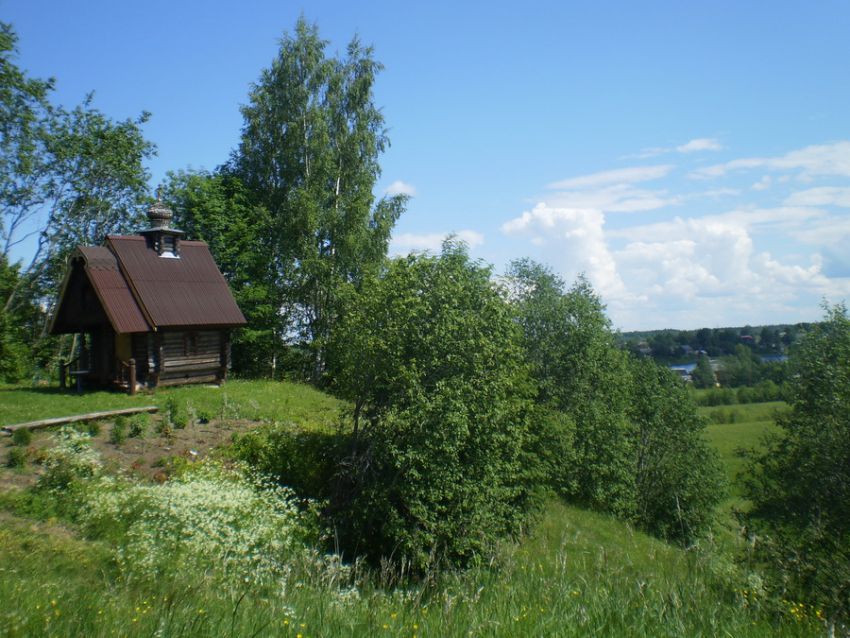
(468, 407)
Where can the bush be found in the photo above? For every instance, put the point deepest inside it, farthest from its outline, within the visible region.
(305, 461)
(800, 486)
(93, 428)
(118, 433)
(22, 437)
(429, 355)
(72, 458)
(17, 457)
(137, 425)
(678, 478)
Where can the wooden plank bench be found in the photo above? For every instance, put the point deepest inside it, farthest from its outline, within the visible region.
(62, 420)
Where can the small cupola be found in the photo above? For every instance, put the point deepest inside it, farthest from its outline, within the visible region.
(160, 237)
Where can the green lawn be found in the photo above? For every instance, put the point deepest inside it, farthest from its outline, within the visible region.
(278, 400)
(750, 424)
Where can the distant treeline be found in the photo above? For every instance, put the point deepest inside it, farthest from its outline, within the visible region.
(679, 345)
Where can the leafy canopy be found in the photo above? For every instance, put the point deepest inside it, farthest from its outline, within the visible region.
(800, 487)
(429, 354)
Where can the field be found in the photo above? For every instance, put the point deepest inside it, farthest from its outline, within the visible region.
(576, 573)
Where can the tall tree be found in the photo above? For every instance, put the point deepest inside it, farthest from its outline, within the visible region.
(309, 154)
(66, 176)
(573, 354)
(25, 114)
(217, 208)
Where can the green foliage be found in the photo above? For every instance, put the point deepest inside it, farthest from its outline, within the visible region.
(678, 477)
(118, 432)
(703, 375)
(429, 355)
(17, 457)
(68, 177)
(71, 459)
(630, 438)
(800, 487)
(740, 369)
(304, 460)
(309, 157)
(137, 425)
(569, 343)
(22, 437)
(14, 353)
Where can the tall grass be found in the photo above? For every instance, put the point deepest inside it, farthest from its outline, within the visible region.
(578, 574)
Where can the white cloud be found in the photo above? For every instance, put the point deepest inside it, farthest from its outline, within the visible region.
(811, 161)
(412, 242)
(770, 257)
(631, 175)
(399, 187)
(620, 198)
(612, 191)
(786, 219)
(692, 146)
(763, 184)
(825, 196)
(700, 144)
(572, 241)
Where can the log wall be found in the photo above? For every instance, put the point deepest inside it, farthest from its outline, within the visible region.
(190, 356)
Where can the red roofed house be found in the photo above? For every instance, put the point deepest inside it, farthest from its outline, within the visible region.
(154, 302)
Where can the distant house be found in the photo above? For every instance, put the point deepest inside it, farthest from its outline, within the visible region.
(150, 309)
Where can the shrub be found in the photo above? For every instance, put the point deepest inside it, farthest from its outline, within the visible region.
(118, 433)
(93, 428)
(800, 486)
(207, 519)
(678, 477)
(22, 437)
(17, 457)
(137, 424)
(568, 342)
(429, 355)
(306, 461)
(72, 458)
(171, 409)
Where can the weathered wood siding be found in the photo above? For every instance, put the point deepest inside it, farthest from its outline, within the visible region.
(141, 355)
(190, 356)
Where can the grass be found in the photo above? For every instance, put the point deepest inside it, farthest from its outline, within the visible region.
(253, 400)
(750, 423)
(576, 573)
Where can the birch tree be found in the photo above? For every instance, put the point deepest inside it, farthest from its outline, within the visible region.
(309, 152)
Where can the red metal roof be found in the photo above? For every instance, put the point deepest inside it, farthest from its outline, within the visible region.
(176, 292)
(112, 290)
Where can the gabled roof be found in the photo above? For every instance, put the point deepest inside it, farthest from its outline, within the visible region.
(116, 300)
(188, 291)
(140, 290)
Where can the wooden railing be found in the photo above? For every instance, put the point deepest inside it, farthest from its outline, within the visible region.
(65, 370)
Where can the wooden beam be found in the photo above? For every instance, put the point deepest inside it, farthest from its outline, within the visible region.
(91, 416)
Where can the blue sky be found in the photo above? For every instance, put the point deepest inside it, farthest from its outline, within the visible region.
(693, 159)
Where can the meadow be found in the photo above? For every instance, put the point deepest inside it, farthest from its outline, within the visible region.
(575, 572)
